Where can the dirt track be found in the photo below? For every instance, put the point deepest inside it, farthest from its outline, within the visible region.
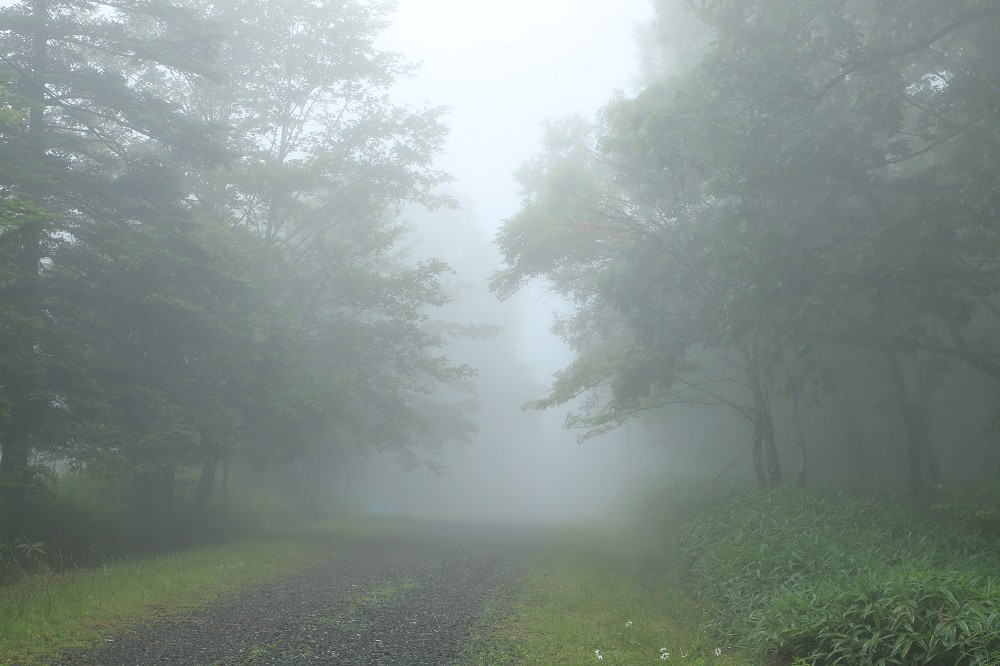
(414, 599)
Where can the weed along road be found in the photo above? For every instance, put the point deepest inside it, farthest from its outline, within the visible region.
(415, 598)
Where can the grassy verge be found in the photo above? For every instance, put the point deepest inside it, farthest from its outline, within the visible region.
(43, 615)
(584, 600)
(825, 576)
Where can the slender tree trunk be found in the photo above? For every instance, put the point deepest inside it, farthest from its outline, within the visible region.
(771, 461)
(758, 458)
(767, 465)
(205, 487)
(910, 421)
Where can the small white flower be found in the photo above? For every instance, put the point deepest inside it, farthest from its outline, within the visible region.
(600, 657)
(665, 651)
(664, 656)
(628, 624)
(718, 652)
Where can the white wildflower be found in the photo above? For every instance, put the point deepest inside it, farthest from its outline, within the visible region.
(718, 652)
(600, 657)
(664, 656)
(628, 624)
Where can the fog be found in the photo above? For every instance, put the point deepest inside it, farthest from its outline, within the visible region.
(492, 260)
(509, 67)
(466, 313)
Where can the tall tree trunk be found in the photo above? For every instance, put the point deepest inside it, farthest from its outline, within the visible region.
(205, 487)
(758, 458)
(772, 463)
(914, 436)
(767, 465)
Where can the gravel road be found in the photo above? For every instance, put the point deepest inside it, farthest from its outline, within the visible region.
(414, 599)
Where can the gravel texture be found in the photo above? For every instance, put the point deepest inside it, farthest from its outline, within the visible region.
(414, 599)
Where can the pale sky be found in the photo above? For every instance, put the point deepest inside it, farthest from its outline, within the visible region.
(503, 66)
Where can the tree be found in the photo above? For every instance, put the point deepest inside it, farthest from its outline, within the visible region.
(96, 145)
(817, 178)
(326, 164)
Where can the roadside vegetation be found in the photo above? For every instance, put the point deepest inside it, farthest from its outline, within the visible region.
(698, 573)
(590, 595)
(824, 575)
(46, 612)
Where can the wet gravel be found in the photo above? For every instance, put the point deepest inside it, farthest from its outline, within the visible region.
(414, 599)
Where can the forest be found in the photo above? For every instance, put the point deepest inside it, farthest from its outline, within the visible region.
(777, 262)
(201, 250)
(803, 220)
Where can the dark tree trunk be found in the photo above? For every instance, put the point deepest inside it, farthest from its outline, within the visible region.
(764, 432)
(205, 488)
(767, 465)
(915, 438)
(758, 458)
(771, 460)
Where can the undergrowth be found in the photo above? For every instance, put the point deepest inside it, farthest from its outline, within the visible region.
(827, 576)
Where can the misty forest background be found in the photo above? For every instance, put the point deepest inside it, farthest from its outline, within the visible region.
(779, 257)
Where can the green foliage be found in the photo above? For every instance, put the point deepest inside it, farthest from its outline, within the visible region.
(199, 264)
(978, 508)
(824, 176)
(837, 578)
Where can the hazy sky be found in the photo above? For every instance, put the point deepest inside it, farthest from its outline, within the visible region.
(503, 67)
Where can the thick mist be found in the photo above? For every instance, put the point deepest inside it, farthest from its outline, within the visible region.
(483, 64)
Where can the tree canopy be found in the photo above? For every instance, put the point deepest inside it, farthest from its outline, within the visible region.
(200, 244)
(823, 177)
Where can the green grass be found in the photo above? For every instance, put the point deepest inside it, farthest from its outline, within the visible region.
(43, 615)
(584, 592)
(829, 576)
